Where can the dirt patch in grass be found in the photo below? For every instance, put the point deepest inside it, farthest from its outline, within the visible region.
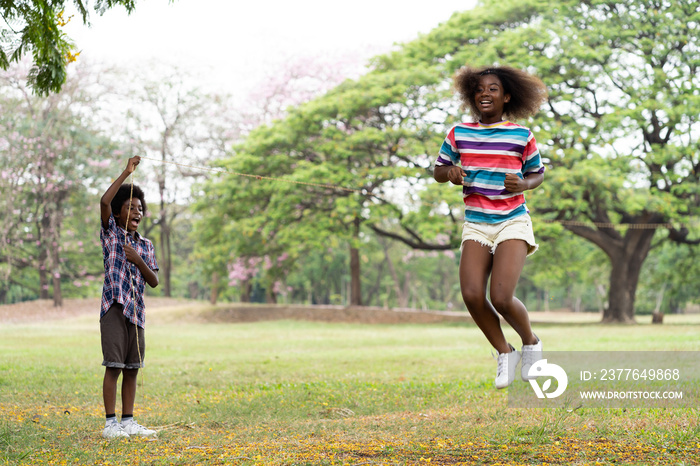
(165, 309)
(357, 314)
(43, 309)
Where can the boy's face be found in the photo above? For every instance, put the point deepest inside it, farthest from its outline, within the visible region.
(490, 98)
(129, 218)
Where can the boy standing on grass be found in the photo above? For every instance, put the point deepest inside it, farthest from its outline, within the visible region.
(130, 263)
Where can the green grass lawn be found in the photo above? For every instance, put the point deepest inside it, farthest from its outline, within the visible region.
(291, 392)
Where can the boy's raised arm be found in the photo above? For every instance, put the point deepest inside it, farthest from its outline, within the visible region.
(105, 201)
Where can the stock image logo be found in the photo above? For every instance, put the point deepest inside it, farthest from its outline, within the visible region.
(543, 369)
(610, 379)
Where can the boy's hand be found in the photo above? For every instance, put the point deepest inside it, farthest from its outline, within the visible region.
(131, 164)
(131, 254)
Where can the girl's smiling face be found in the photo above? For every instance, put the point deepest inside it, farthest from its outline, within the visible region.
(129, 218)
(490, 98)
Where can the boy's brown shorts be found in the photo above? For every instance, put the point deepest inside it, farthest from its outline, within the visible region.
(119, 339)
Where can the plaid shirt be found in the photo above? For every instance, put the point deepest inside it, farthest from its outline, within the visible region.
(119, 271)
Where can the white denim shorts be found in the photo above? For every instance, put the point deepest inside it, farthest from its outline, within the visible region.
(492, 234)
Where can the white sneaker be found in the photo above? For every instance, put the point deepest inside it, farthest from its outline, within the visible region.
(507, 362)
(114, 430)
(531, 354)
(132, 427)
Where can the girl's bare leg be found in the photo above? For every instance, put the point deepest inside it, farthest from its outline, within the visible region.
(474, 268)
(508, 263)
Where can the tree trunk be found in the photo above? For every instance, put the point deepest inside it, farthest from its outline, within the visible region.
(55, 235)
(164, 262)
(43, 257)
(355, 277)
(623, 286)
(624, 277)
(214, 295)
(43, 275)
(627, 254)
(246, 288)
(57, 295)
(56, 275)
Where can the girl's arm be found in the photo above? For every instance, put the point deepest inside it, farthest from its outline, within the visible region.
(452, 173)
(515, 184)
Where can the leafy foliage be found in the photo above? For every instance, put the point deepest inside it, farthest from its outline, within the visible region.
(51, 163)
(618, 133)
(35, 27)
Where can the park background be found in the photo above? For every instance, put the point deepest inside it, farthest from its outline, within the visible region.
(316, 189)
(341, 207)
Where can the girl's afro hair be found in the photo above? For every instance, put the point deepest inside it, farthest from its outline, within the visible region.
(527, 92)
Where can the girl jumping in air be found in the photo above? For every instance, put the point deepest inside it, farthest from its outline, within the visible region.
(495, 161)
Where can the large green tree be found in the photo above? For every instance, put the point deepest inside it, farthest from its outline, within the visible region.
(351, 137)
(620, 131)
(623, 129)
(619, 135)
(36, 27)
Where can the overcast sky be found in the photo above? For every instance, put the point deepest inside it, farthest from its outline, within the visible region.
(233, 43)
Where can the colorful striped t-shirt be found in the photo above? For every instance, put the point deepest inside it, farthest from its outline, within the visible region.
(487, 153)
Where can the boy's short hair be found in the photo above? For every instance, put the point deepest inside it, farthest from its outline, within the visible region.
(124, 194)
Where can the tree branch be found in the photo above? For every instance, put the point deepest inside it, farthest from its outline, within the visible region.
(416, 243)
(681, 236)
